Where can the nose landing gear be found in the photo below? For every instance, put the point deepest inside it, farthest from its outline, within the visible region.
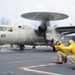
(22, 47)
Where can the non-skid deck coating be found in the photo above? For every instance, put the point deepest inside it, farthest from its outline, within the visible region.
(38, 61)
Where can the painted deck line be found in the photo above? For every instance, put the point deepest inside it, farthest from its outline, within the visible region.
(29, 69)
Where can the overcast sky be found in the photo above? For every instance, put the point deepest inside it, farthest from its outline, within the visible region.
(12, 9)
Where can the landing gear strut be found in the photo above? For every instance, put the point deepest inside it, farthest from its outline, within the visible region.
(33, 47)
(22, 47)
(54, 49)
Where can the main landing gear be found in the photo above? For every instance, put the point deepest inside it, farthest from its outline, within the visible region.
(33, 47)
(54, 49)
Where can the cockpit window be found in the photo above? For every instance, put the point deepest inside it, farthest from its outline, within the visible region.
(1, 28)
(9, 29)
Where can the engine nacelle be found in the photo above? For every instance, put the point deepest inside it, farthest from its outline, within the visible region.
(42, 28)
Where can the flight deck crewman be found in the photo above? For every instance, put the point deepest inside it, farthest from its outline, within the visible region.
(61, 53)
(71, 47)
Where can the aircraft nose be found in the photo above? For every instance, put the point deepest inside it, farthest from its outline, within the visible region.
(2, 38)
(3, 35)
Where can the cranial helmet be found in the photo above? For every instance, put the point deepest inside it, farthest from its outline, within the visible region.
(70, 42)
(58, 42)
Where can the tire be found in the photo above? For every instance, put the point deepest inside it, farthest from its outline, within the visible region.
(22, 47)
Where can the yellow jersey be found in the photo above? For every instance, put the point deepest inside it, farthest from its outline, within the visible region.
(70, 47)
(59, 48)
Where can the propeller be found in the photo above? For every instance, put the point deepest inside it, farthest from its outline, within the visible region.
(43, 27)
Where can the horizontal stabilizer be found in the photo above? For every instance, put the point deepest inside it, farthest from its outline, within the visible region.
(70, 29)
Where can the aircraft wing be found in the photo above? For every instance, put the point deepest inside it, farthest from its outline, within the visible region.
(66, 29)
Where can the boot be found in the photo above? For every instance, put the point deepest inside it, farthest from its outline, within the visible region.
(59, 63)
(73, 68)
(65, 60)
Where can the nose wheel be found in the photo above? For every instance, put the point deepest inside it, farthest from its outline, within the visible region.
(22, 47)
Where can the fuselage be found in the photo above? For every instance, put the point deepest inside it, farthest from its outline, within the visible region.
(14, 35)
(25, 35)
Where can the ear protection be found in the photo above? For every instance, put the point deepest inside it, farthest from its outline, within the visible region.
(68, 43)
(58, 42)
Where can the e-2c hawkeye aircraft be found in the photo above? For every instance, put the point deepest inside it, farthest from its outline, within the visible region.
(44, 35)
